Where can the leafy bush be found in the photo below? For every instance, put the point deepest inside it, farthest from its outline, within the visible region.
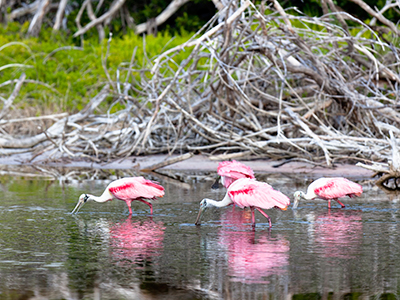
(63, 76)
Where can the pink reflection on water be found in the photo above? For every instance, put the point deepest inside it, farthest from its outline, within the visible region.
(251, 259)
(339, 233)
(136, 241)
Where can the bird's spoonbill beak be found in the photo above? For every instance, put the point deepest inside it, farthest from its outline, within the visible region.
(82, 200)
(296, 200)
(203, 206)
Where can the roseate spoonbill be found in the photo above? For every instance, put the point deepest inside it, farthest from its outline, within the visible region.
(127, 189)
(231, 171)
(329, 189)
(248, 192)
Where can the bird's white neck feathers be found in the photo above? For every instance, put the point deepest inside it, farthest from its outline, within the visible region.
(106, 196)
(311, 190)
(224, 202)
(309, 196)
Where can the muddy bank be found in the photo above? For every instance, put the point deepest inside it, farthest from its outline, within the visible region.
(197, 163)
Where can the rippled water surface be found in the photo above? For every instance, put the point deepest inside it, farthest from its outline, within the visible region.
(102, 253)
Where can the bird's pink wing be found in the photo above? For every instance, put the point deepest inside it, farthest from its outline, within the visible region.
(337, 188)
(234, 169)
(136, 187)
(248, 192)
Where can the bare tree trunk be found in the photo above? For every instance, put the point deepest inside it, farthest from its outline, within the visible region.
(3, 18)
(36, 23)
(60, 14)
(92, 16)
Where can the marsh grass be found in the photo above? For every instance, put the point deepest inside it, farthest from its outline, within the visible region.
(62, 75)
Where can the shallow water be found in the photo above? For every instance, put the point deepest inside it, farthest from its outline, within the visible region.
(101, 253)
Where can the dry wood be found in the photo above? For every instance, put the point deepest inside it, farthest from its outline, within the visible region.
(92, 17)
(14, 94)
(60, 14)
(36, 22)
(377, 15)
(251, 85)
(163, 16)
(389, 173)
(57, 128)
(167, 162)
(117, 4)
(21, 11)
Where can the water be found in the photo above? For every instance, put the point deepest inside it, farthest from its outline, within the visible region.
(101, 253)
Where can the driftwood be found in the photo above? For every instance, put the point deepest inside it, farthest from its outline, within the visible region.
(389, 174)
(167, 162)
(280, 86)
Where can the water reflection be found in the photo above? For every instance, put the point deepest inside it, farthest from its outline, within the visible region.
(136, 241)
(311, 252)
(339, 233)
(251, 259)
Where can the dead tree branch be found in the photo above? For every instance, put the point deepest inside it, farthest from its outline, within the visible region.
(36, 22)
(163, 16)
(248, 84)
(117, 4)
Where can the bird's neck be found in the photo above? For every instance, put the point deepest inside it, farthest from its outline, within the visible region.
(226, 181)
(224, 202)
(309, 196)
(106, 196)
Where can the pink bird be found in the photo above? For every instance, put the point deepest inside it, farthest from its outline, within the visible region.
(329, 189)
(127, 189)
(248, 192)
(231, 171)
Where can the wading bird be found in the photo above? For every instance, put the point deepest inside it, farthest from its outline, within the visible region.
(127, 189)
(329, 189)
(248, 192)
(231, 171)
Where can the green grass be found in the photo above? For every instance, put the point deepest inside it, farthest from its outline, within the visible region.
(68, 78)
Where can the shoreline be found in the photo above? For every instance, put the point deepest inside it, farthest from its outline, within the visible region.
(197, 163)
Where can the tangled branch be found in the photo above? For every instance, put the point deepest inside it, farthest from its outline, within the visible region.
(253, 85)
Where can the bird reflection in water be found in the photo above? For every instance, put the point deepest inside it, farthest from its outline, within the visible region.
(251, 259)
(339, 233)
(136, 241)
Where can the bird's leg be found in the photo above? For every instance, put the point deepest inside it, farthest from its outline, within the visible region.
(149, 204)
(253, 219)
(129, 206)
(329, 204)
(265, 215)
(337, 200)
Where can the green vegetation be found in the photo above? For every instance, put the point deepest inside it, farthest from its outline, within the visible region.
(62, 76)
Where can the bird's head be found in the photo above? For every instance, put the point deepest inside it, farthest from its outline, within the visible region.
(203, 205)
(297, 195)
(82, 200)
(215, 184)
